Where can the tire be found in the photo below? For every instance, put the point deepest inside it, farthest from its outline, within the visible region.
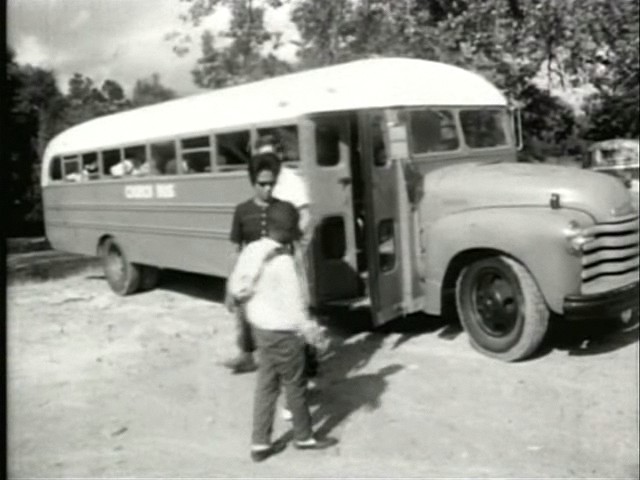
(149, 277)
(501, 308)
(123, 277)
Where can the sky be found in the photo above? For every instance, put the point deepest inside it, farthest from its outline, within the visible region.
(122, 40)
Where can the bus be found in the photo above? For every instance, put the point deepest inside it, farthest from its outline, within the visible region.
(418, 203)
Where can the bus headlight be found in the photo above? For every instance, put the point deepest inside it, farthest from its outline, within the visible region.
(576, 237)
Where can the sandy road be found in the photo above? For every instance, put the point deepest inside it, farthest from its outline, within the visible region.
(103, 386)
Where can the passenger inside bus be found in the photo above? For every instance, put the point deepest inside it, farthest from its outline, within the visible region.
(125, 167)
(90, 171)
(171, 167)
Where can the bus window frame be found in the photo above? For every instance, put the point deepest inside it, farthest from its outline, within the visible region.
(210, 149)
(462, 146)
(280, 125)
(75, 159)
(56, 159)
(235, 167)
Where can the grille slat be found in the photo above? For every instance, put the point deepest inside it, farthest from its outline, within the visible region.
(612, 267)
(611, 259)
(613, 254)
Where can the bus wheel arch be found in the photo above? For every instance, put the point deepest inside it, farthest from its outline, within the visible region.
(123, 277)
(498, 303)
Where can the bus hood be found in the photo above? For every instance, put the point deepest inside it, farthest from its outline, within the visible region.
(490, 185)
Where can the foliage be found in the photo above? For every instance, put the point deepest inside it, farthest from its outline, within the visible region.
(508, 41)
(149, 91)
(38, 111)
(244, 51)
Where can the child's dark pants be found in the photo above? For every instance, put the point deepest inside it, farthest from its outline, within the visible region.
(282, 363)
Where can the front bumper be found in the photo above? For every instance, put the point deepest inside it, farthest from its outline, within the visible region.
(602, 305)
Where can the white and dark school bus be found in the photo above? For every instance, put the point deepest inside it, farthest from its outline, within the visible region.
(418, 203)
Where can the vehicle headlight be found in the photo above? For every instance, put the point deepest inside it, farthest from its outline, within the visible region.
(576, 237)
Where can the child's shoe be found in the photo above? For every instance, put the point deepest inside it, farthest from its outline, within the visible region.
(260, 453)
(315, 443)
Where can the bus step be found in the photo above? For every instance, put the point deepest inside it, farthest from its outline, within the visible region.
(350, 303)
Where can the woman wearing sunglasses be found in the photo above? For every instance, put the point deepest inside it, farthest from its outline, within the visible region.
(250, 224)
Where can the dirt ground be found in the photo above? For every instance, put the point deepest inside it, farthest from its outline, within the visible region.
(105, 386)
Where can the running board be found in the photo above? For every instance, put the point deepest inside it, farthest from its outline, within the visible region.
(350, 303)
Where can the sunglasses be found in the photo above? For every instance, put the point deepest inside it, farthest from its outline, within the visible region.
(265, 184)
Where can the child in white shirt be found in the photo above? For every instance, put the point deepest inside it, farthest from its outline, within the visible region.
(266, 281)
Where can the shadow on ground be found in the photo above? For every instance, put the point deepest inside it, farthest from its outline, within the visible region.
(576, 338)
(590, 338)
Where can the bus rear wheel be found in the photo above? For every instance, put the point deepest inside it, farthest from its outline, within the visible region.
(122, 276)
(501, 308)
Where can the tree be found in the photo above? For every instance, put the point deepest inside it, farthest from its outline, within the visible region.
(85, 101)
(36, 108)
(247, 50)
(150, 90)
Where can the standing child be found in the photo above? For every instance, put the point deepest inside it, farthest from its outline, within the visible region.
(266, 283)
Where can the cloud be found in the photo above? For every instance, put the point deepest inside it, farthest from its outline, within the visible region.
(80, 19)
(31, 50)
(122, 40)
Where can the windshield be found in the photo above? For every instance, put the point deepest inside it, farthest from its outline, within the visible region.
(437, 131)
(484, 128)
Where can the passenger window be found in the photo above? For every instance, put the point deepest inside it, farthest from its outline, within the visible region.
(90, 166)
(233, 150)
(196, 155)
(284, 140)
(110, 158)
(386, 245)
(138, 157)
(71, 168)
(484, 128)
(432, 131)
(327, 143)
(55, 169)
(163, 157)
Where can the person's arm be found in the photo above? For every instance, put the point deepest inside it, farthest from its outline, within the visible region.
(236, 239)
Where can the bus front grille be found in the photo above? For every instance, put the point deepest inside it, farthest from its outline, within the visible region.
(610, 258)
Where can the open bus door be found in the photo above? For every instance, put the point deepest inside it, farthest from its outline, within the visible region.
(326, 146)
(386, 221)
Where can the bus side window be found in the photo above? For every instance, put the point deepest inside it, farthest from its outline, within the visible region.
(138, 157)
(164, 158)
(71, 168)
(286, 141)
(327, 143)
(110, 158)
(196, 155)
(233, 150)
(90, 166)
(55, 169)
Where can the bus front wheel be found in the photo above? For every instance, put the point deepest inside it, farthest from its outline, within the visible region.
(122, 276)
(501, 308)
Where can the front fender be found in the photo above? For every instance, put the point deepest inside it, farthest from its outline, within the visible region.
(533, 236)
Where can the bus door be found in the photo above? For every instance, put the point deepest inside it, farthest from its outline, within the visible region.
(326, 149)
(386, 225)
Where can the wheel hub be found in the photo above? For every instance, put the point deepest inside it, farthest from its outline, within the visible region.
(496, 304)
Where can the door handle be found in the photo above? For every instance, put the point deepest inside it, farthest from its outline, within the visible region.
(344, 181)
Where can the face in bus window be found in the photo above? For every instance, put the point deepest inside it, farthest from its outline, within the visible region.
(263, 186)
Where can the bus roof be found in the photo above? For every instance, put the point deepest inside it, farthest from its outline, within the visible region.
(371, 83)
